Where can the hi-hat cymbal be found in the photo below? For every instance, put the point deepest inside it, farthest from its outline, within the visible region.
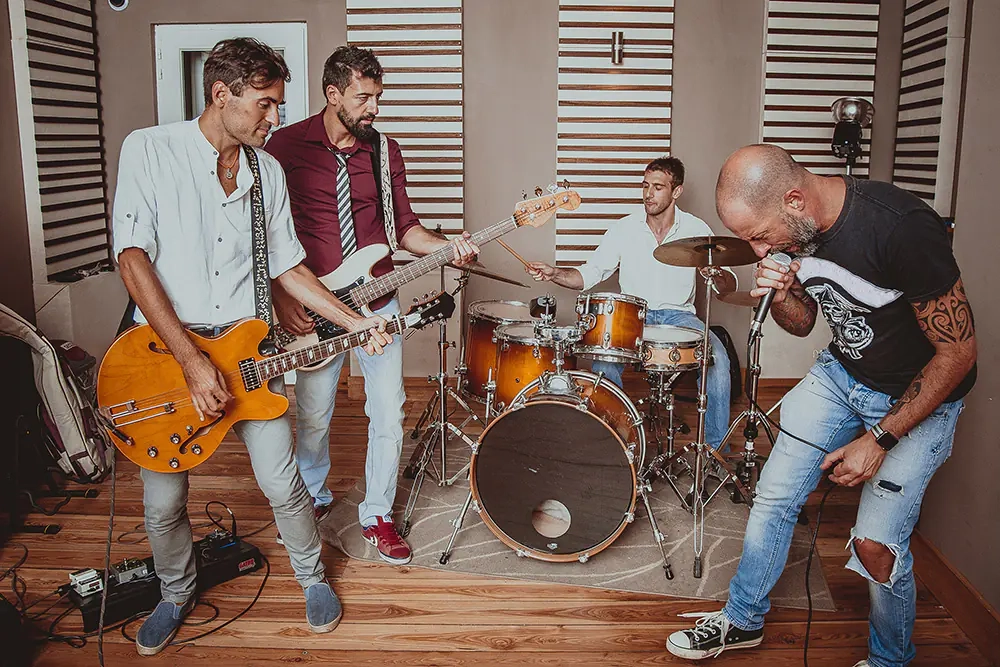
(476, 269)
(739, 299)
(702, 251)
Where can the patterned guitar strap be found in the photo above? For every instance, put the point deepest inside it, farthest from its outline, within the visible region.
(258, 232)
(388, 215)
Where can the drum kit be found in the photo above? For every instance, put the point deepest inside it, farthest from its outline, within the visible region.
(561, 460)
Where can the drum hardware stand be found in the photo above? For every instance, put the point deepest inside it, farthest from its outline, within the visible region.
(748, 462)
(436, 433)
(662, 398)
(704, 453)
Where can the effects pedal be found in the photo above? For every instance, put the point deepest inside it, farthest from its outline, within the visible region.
(219, 557)
(129, 569)
(86, 582)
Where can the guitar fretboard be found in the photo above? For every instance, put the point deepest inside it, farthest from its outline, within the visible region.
(280, 364)
(390, 282)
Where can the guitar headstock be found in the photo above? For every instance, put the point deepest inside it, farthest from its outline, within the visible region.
(431, 308)
(536, 212)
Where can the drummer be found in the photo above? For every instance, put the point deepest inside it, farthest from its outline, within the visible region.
(668, 290)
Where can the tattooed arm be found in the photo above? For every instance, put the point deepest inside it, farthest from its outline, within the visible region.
(792, 309)
(947, 324)
(797, 313)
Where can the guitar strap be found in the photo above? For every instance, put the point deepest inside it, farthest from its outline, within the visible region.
(258, 232)
(383, 183)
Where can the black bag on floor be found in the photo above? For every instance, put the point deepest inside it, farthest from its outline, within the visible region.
(735, 376)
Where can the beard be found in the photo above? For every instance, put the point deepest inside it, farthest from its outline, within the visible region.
(363, 132)
(804, 235)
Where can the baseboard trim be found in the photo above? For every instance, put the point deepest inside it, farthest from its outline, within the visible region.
(972, 612)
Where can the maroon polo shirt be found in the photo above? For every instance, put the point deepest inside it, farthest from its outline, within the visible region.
(306, 154)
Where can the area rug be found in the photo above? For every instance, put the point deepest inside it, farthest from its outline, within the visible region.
(632, 562)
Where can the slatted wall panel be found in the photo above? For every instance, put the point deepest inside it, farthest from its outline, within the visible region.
(918, 130)
(419, 43)
(65, 97)
(817, 51)
(613, 119)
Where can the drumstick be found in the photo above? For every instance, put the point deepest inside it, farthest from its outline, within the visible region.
(511, 251)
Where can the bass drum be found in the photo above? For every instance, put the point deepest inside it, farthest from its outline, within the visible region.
(554, 477)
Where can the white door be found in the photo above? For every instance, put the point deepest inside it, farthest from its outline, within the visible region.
(181, 50)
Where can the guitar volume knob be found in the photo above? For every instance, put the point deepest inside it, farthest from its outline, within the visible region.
(176, 439)
(152, 452)
(174, 463)
(196, 450)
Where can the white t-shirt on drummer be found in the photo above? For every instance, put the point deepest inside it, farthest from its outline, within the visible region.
(628, 246)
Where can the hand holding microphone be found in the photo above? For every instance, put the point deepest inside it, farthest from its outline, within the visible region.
(774, 276)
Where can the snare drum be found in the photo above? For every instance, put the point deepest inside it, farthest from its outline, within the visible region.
(523, 354)
(671, 349)
(612, 325)
(555, 477)
(480, 353)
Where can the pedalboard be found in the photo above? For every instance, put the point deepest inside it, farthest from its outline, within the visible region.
(134, 588)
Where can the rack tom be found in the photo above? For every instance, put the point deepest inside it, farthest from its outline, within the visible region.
(671, 349)
(524, 352)
(480, 353)
(612, 326)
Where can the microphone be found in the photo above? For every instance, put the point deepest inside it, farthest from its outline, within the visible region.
(765, 301)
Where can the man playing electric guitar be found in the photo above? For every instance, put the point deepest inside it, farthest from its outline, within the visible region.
(339, 187)
(182, 219)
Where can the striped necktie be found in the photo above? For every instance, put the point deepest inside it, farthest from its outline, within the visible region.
(348, 241)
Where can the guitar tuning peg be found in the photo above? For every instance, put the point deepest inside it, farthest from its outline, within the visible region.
(538, 191)
(552, 188)
(524, 195)
(415, 299)
(565, 184)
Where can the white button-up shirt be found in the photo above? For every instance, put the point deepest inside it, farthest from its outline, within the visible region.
(628, 246)
(169, 202)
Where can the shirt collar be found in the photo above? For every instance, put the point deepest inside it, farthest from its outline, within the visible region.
(316, 133)
(244, 179)
(674, 230)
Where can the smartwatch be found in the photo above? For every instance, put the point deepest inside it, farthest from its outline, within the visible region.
(884, 439)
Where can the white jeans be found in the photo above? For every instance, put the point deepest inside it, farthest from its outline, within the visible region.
(315, 395)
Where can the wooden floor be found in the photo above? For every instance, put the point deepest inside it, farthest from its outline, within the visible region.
(412, 616)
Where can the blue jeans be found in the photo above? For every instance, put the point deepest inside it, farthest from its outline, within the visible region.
(717, 417)
(315, 397)
(830, 408)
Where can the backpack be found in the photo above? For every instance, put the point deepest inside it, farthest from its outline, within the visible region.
(64, 377)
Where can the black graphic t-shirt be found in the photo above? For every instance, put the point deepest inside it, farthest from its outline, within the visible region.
(887, 249)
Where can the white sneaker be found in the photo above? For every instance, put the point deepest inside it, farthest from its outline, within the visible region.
(863, 663)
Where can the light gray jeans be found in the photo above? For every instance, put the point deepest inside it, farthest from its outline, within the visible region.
(165, 498)
(315, 399)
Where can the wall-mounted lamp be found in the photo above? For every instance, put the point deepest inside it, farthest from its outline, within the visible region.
(851, 114)
(617, 47)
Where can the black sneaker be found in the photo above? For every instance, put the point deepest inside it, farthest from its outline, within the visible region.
(711, 635)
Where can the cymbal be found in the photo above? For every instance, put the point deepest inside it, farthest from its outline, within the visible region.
(475, 269)
(739, 299)
(702, 251)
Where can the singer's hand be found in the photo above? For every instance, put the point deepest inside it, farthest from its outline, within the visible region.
(772, 275)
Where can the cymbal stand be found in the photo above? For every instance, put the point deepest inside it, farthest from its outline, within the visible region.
(748, 461)
(435, 435)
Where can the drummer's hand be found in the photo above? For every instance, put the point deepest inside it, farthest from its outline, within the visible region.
(770, 274)
(540, 271)
(464, 249)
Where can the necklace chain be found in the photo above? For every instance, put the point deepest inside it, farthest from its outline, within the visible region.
(229, 167)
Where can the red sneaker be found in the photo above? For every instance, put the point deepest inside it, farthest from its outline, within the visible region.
(391, 547)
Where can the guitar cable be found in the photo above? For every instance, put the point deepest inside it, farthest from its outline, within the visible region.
(815, 535)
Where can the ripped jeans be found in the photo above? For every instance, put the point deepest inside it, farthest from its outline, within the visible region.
(830, 408)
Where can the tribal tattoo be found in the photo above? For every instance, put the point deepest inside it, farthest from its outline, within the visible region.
(948, 318)
(909, 395)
